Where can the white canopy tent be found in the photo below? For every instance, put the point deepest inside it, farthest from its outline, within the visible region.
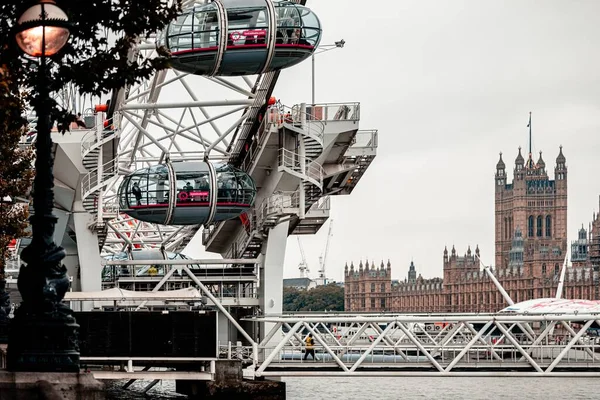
(121, 297)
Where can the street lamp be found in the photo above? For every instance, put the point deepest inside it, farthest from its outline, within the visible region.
(322, 49)
(43, 333)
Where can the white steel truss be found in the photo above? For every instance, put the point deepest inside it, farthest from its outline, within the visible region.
(466, 345)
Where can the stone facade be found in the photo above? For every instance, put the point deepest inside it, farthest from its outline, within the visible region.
(530, 245)
(368, 288)
(534, 207)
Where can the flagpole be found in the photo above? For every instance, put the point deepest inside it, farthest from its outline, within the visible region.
(529, 125)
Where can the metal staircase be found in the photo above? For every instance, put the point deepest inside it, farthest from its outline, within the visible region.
(97, 146)
(249, 239)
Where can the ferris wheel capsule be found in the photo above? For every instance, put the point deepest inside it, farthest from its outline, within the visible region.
(227, 38)
(186, 193)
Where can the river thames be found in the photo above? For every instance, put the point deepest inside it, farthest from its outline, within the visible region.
(442, 388)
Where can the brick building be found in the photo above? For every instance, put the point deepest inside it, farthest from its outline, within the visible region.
(530, 246)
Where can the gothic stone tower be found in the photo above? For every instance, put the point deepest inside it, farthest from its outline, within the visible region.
(537, 206)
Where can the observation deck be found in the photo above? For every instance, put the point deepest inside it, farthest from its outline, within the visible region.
(332, 159)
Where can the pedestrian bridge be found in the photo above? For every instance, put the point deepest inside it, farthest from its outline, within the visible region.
(426, 345)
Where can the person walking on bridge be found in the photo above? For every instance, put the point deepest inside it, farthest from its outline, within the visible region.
(310, 347)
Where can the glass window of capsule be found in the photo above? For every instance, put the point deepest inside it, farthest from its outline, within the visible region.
(145, 188)
(234, 186)
(247, 26)
(199, 29)
(150, 187)
(296, 25)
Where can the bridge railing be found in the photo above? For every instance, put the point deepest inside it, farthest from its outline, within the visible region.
(366, 139)
(334, 111)
(112, 273)
(541, 345)
(235, 351)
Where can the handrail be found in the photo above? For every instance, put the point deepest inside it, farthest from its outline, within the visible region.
(90, 182)
(322, 204)
(335, 112)
(275, 204)
(292, 116)
(90, 140)
(110, 208)
(256, 145)
(313, 171)
(366, 139)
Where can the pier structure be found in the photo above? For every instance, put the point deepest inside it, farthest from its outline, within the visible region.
(297, 155)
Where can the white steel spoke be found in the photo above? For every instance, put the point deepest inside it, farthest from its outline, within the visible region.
(231, 85)
(143, 132)
(218, 304)
(222, 137)
(148, 91)
(249, 82)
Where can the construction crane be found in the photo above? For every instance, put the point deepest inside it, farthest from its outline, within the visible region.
(303, 266)
(322, 280)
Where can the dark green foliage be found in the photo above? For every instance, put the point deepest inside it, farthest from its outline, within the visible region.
(16, 173)
(98, 56)
(322, 298)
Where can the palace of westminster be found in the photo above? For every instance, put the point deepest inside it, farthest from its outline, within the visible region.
(530, 246)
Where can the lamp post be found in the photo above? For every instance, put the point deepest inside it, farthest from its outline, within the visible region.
(43, 333)
(322, 49)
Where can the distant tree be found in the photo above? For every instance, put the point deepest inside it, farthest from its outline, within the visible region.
(16, 174)
(322, 298)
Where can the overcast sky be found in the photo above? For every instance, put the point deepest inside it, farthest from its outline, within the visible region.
(449, 84)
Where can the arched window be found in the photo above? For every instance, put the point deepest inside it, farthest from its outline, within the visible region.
(372, 287)
(383, 288)
(548, 226)
(544, 269)
(539, 229)
(530, 226)
(556, 269)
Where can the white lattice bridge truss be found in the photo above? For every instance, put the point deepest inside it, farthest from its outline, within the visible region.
(429, 345)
